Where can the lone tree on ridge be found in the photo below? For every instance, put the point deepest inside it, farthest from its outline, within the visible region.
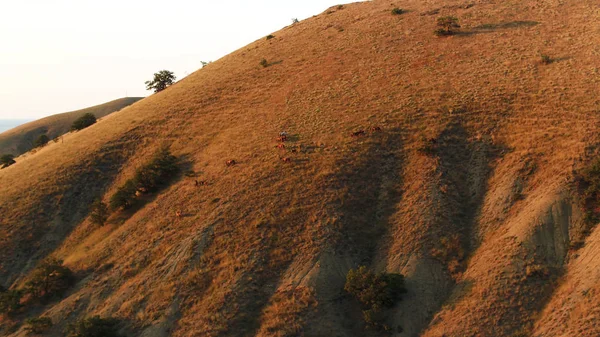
(161, 81)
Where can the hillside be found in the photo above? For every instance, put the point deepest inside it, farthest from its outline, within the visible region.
(468, 189)
(20, 139)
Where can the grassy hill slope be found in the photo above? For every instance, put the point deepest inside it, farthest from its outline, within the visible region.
(20, 139)
(467, 190)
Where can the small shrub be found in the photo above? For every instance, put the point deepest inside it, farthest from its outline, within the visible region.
(83, 122)
(38, 325)
(375, 292)
(10, 301)
(264, 63)
(49, 279)
(545, 59)
(270, 37)
(99, 213)
(6, 160)
(447, 25)
(450, 251)
(295, 21)
(40, 141)
(397, 11)
(94, 327)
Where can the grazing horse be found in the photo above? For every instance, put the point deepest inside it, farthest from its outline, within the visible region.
(375, 129)
(230, 162)
(178, 213)
(280, 146)
(282, 138)
(201, 183)
(286, 160)
(358, 133)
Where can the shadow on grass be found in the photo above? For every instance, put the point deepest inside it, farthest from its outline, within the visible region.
(492, 27)
(506, 25)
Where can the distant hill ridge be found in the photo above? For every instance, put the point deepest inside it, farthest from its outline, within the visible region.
(20, 139)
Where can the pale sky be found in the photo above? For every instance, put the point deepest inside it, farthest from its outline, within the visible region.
(63, 55)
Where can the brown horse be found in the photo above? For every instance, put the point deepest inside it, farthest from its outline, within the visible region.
(230, 162)
(357, 134)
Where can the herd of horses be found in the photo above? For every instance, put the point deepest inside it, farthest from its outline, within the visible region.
(283, 137)
(281, 140)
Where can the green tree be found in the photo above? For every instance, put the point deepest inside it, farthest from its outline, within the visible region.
(94, 327)
(157, 172)
(124, 197)
(41, 141)
(6, 160)
(446, 25)
(161, 81)
(375, 292)
(99, 213)
(49, 278)
(83, 122)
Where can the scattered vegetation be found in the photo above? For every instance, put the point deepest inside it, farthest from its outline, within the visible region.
(99, 213)
(6, 160)
(546, 59)
(38, 325)
(10, 301)
(41, 141)
(375, 292)
(49, 279)
(397, 11)
(161, 81)
(447, 25)
(149, 178)
(94, 327)
(83, 122)
(270, 36)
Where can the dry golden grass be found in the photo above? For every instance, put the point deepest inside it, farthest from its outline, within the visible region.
(480, 226)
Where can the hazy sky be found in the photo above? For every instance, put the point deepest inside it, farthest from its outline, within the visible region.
(64, 55)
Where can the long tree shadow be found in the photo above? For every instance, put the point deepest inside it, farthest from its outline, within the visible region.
(493, 27)
(506, 25)
(369, 183)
